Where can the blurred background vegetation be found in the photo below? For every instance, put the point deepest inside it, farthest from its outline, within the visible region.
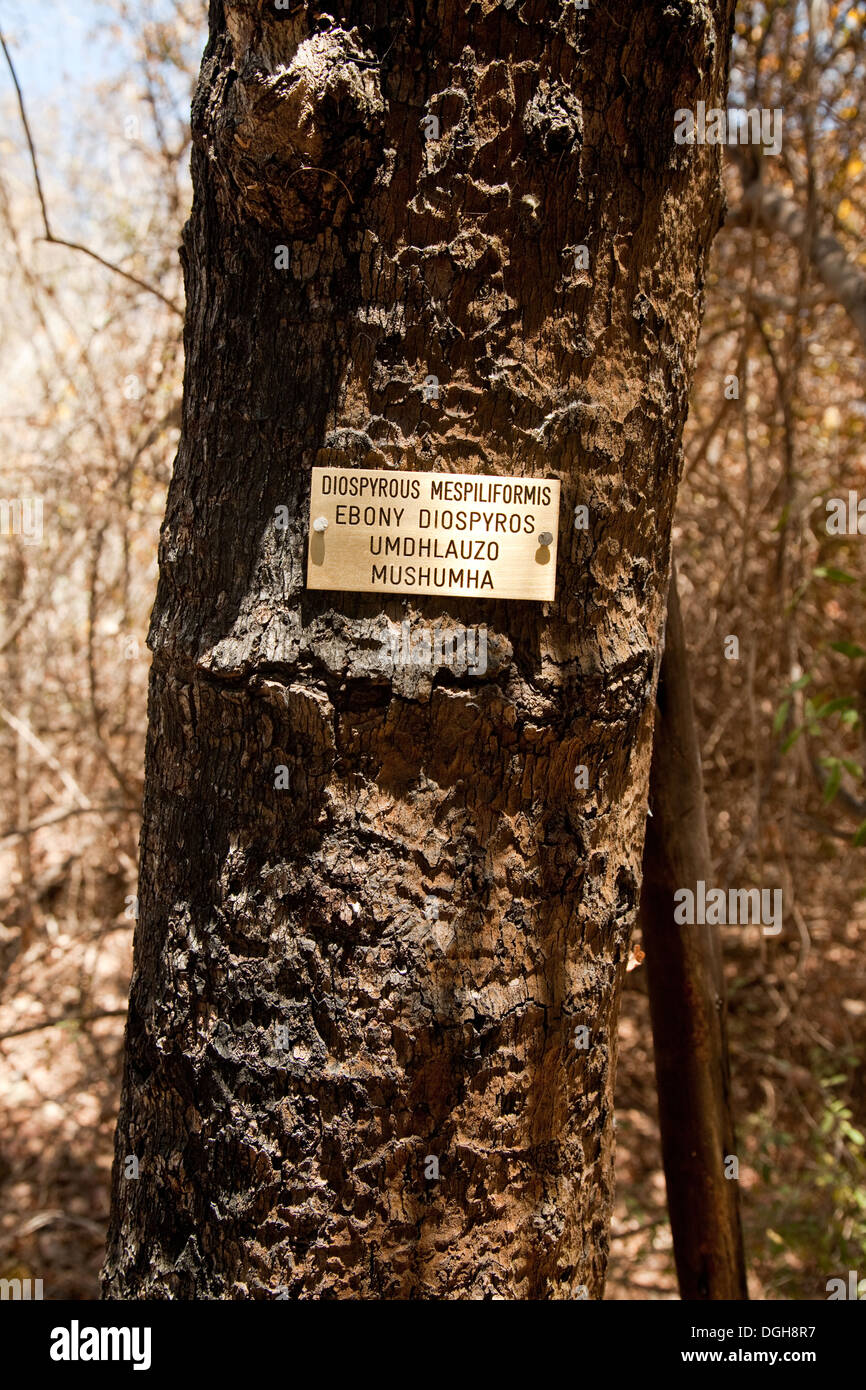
(90, 384)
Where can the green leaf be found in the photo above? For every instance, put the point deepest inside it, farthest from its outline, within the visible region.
(798, 685)
(831, 786)
(834, 706)
(848, 649)
(781, 716)
(791, 739)
(835, 576)
(853, 769)
(783, 518)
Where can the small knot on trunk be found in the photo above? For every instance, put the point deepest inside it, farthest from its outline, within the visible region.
(298, 141)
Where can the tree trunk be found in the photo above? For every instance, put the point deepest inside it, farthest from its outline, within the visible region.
(687, 999)
(13, 757)
(355, 1064)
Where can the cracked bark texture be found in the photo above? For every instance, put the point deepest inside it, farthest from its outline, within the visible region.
(390, 961)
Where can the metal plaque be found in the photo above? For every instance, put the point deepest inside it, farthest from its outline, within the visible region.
(377, 531)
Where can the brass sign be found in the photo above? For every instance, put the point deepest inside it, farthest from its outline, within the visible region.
(376, 531)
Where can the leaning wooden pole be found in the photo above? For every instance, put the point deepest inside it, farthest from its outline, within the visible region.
(687, 1000)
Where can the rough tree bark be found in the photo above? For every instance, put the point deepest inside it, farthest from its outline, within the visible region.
(434, 909)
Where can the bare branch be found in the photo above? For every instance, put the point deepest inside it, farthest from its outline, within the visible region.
(64, 815)
(61, 241)
(53, 1022)
(772, 210)
(31, 146)
(109, 265)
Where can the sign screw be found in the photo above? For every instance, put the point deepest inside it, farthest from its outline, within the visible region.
(545, 538)
(320, 523)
